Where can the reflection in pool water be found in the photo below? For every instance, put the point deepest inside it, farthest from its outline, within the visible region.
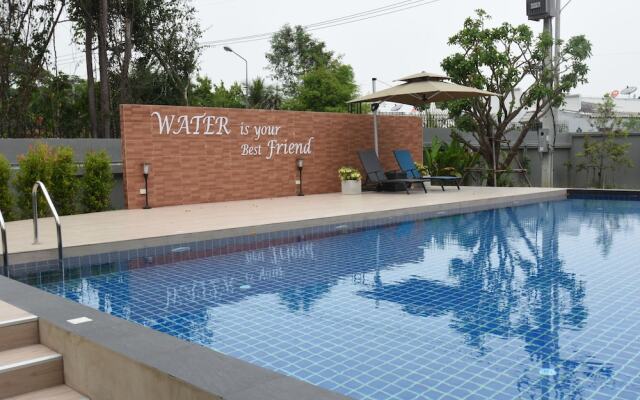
(535, 302)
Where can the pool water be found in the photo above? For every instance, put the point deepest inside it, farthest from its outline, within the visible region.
(534, 302)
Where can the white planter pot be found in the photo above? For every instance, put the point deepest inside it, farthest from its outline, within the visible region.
(351, 187)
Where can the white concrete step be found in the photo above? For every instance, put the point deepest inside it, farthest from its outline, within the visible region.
(62, 392)
(29, 368)
(18, 328)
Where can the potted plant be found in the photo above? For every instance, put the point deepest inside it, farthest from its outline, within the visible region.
(422, 169)
(351, 180)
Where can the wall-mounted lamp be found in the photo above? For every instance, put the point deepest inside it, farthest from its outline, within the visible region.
(146, 167)
(300, 164)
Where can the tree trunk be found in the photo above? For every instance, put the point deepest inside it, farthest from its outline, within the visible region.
(128, 47)
(105, 106)
(91, 90)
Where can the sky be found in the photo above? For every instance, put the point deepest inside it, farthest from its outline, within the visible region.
(397, 44)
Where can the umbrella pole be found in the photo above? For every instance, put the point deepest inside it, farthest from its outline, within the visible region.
(493, 149)
(375, 120)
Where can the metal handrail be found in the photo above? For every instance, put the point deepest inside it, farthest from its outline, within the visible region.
(34, 201)
(5, 250)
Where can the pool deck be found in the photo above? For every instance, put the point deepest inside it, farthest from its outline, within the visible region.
(127, 229)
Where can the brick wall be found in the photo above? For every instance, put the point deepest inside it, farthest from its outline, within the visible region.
(189, 168)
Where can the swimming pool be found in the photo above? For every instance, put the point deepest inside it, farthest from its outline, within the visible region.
(536, 302)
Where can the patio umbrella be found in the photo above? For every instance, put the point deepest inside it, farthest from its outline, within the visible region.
(417, 90)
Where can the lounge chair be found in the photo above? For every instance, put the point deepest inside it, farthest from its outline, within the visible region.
(406, 164)
(375, 172)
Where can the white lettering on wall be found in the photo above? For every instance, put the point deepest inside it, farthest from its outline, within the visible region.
(197, 118)
(222, 125)
(184, 125)
(264, 130)
(288, 148)
(208, 121)
(164, 125)
(212, 125)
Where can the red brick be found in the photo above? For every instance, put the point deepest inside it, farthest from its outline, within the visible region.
(189, 169)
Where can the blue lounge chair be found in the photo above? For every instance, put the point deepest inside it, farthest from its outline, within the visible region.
(375, 172)
(406, 164)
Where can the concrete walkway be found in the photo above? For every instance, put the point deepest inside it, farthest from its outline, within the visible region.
(127, 229)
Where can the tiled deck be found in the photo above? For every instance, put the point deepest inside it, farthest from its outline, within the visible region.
(122, 229)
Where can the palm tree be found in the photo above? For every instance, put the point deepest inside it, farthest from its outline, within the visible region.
(264, 96)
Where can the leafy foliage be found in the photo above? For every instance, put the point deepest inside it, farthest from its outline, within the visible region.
(152, 53)
(6, 199)
(97, 182)
(263, 95)
(58, 107)
(325, 89)
(294, 52)
(64, 180)
(205, 94)
(448, 159)
(312, 77)
(35, 165)
(26, 30)
(607, 154)
(166, 38)
(501, 59)
(349, 174)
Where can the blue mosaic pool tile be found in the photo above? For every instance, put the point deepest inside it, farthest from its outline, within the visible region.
(531, 302)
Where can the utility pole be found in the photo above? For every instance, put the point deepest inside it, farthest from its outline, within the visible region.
(548, 120)
(546, 10)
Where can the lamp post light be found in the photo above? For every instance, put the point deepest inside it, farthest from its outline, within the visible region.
(300, 164)
(145, 171)
(246, 73)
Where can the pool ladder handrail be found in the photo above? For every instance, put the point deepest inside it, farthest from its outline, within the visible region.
(5, 250)
(34, 202)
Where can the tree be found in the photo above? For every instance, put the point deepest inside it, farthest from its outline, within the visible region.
(58, 107)
(26, 30)
(147, 52)
(293, 54)
(501, 59)
(84, 15)
(166, 36)
(608, 153)
(263, 95)
(105, 100)
(325, 89)
(312, 77)
(205, 94)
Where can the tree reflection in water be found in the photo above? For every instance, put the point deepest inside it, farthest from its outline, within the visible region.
(509, 284)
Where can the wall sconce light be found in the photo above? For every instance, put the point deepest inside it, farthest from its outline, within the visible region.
(300, 164)
(146, 167)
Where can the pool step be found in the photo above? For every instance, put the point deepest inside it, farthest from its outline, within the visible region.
(28, 370)
(62, 392)
(17, 327)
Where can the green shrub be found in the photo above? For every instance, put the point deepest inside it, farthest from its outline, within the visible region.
(97, 182)
(6, 199)
(64, 180)
(35, 165)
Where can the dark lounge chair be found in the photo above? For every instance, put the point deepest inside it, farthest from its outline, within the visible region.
(406, 164)
(375, 172)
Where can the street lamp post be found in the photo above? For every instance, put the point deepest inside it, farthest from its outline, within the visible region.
(246, 72)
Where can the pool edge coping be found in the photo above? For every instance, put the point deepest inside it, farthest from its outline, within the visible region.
(428, 211)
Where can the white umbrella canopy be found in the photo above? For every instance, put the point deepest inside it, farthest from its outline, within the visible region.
(417, 90)
(422, 88)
